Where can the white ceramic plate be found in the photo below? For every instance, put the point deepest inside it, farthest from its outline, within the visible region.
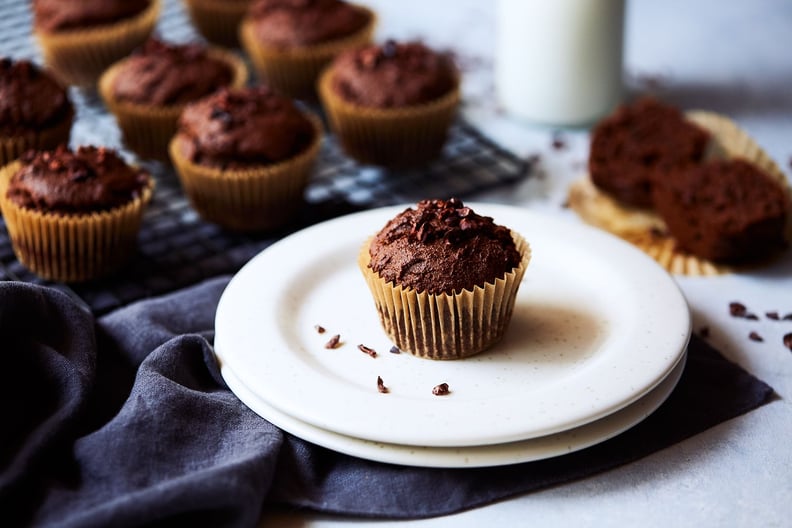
(597, 324)
(466, 457)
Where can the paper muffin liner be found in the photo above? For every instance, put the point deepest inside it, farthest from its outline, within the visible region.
(252, 199)
(294, 71)
(12, 147)
(448, 325)
(72, 247)
(393, 137)
(147, 129)
(79, 56)
(218, 20)
(646, 230)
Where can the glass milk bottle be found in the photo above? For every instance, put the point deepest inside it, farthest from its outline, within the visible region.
(559, 62)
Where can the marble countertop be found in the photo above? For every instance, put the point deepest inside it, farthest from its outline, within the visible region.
(728, 57)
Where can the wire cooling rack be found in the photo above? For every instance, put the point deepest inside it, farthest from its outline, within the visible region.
(177, 248)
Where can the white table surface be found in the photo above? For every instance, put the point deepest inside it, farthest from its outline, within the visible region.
(733, 57)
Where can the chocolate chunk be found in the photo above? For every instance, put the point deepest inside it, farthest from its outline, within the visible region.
(440, 390)
(737, 309)
(366, 350)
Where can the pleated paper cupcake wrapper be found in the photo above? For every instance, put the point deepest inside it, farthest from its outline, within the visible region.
(12, 147)
(389, 136)
(254, 199)
(645, 229)
(74, 247)
(446, 326)
(147, 129)
(80, 56)
(218, 20)
(295, 71)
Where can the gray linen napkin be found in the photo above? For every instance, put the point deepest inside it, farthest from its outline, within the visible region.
(125, 421)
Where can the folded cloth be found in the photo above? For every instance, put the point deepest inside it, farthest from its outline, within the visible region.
(126, 421)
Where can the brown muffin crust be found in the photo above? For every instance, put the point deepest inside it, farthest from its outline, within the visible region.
(725, 211)
(290, 23)
(393, 75)
(442, 246)
(169, 74)
(63, 181)
(59, 15)
(30, 99)
(234, 128)
(639, 143)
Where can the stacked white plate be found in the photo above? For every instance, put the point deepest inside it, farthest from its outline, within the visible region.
(596, 343)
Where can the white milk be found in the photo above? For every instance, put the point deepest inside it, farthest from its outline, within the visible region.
(559, 62)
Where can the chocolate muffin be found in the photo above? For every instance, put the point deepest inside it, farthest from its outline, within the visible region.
(290, 23)
(391, 104)
(291, 41)
(393, 75)
(218, 20)
(442, 247)
(73, 215)
(35, 111)
(160, 74)
(241, 128)
(56, 15)
(444, 279)
(148, 90)
(725, 211)
(244, 157)
(62, 181)
(80, 39)
(640, 143)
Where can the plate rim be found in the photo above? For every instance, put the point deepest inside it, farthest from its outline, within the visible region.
(518, 452)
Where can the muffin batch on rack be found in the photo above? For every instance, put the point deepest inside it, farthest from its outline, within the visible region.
(243, 152)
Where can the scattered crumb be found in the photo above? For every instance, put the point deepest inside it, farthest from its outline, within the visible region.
(737, 309)
(788, 341)
(319, 329)
(752, 317)
(394, 350)
(333, 342)
(558, 143)
(787, 317)
(381, 386)
(440, 390)
(367, 350)
(773, 315)
(753, 336)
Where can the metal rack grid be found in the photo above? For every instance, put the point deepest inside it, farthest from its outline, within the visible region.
(177, 248)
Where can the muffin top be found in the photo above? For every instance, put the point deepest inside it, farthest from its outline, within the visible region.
(30, 99)
(169, 74)
(638, 143)
(235, 128)
(393, 75)
(289, 23)
(442, 246)
(63, 181)
(724, 210)
(59, 15)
